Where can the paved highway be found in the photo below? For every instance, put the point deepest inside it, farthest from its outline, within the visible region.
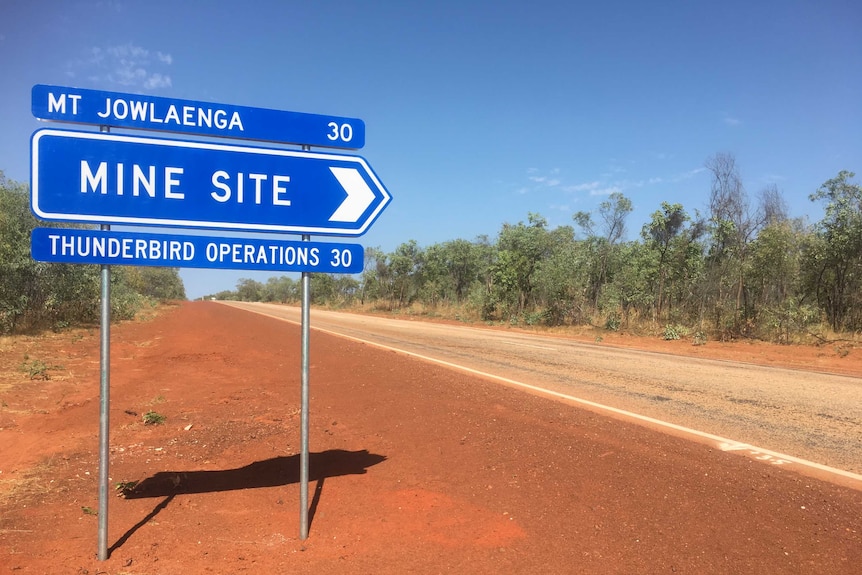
(775, 415)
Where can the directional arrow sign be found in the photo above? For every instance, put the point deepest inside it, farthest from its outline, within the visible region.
(109, 178)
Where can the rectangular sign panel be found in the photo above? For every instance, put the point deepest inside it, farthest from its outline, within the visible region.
(93, 177)
(120, 110)
(88, 246)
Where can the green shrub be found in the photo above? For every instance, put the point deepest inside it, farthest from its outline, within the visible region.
(153, 418)
(675, 331)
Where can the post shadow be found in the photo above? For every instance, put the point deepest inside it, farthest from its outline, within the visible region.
(315, 501)
(128, 534)
(273, 472)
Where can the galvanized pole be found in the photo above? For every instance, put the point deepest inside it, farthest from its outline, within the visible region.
(303, 423)
(303, 457)
(104, 401)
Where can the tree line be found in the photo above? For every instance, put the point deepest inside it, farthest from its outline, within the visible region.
(744, 268)
(38, 295)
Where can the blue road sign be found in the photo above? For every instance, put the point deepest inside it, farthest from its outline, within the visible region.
(116, 109)
(89, 246)
(109, 178)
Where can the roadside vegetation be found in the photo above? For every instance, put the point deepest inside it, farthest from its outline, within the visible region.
(36, 295)
(743, 269)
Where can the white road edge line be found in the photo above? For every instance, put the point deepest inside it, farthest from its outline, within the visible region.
(722, 443)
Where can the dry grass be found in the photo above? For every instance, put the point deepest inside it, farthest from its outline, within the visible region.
(819, 335)
(32, 485)
(17, 350)
(24, 358)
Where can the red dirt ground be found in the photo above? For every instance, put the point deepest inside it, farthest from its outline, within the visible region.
(414, 468)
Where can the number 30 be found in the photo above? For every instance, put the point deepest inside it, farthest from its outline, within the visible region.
(341, 258)
(344, 132)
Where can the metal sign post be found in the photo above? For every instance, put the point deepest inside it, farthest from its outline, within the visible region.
(304, 407)
(304, 419)
(104, 407)
(104, 401)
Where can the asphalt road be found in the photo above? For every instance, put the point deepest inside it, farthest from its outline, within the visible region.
(765, 412)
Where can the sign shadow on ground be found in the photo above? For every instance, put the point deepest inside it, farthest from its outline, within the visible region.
(273, 472)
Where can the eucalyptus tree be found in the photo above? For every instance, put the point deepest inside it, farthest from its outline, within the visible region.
(562, 279)
(632, 289)
(465, 265)
(434, 285)
(19, 274)
(784, 310)
(659, 235)
(521, 249)
(374, 267)
(674, 242)
(734, 225)
(613, 213)
(281, 289)
(479, 296)
(37, 294)
(321, 288)
(403, 266)
(834, 259)
(249, 290)
(159, 283)
(336, 290)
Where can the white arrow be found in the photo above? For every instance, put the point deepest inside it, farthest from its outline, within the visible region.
(359, 195)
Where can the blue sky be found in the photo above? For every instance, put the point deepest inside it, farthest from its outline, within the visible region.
(478, 113)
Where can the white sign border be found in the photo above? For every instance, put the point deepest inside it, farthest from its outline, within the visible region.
(122, 220)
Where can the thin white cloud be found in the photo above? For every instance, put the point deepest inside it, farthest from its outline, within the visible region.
(544, 180)
(128, 51)
(157, 81)
(731, 120)
(630, 183)
(767, 179)
(625, 184)
(126, 65)
(585, 187)
(604, 185)
(686, 175)
(108, 4)
(613, 170)
(606, 191)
